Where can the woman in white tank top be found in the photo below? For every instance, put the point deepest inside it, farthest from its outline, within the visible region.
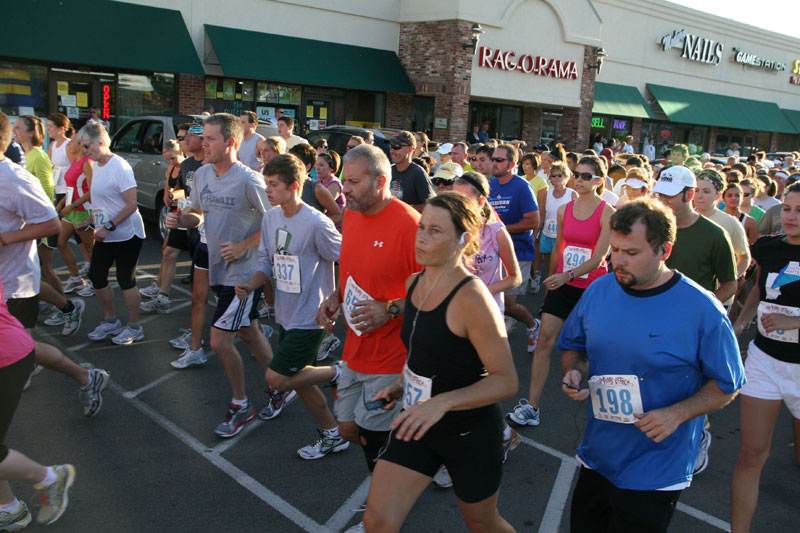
(60, 130)
(549, 202)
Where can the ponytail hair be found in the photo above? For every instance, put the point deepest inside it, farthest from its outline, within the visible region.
(61, 121)
(598, 168)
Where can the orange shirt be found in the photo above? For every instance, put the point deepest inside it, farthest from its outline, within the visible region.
(376, 258)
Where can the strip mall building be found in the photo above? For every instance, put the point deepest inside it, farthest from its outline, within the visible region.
(539, 70)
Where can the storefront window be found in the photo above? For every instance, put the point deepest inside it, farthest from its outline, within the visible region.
(505, 121)
(23, 89)
(364, 109)
(140, 94)
(422, 119)
(551, 128)
(229, 95)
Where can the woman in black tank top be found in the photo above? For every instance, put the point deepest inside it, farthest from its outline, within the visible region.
(459, 366)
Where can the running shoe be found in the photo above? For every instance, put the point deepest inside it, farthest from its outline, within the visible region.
(702, 452)
(235, 419)
(510, 324)
(72, 320)
(54, 497)
(324, 445)
(55, 319)
(442, 478)
(277, 402)
(152, 291)
(267, 330)
(72, 284)
(109, 327)
(84, 271)
(129, 335)
(183, 341)
(263, 309)
(533, 335)
(510, 444)
(327, 347)
(536, 283)
(86, 291)
(15, 520)
(92, 394)
(159, 304)
(189, 358)
(37, 369)
(524, 414)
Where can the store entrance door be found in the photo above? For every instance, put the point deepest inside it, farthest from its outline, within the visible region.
(317, 109)
(75, 94)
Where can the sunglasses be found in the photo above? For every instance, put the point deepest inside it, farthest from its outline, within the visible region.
(747, 194)
(586, 176)
(472, 159)
(351, 146)
(398, 146)
(556, 176)
(499, 159)
(181, 137)
(442, 181)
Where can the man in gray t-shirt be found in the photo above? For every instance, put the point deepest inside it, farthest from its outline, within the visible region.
(248, 150)
(298, 248)
(231, 199)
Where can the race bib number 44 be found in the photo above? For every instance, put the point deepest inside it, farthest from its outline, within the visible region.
(287, 272)
(551, 228)
(575, 256)
(789, 335)
(416, 388)
(352, 295)
(615, 398)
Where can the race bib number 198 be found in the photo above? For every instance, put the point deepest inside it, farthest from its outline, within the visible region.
(615, 398)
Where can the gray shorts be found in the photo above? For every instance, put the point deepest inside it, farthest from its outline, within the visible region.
(525, 270)
(354, 390)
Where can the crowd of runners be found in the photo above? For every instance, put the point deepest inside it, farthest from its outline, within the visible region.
(424, 256)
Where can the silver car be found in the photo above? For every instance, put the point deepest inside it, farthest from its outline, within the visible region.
(139, 142)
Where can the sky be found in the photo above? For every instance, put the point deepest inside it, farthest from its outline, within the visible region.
(782, 16)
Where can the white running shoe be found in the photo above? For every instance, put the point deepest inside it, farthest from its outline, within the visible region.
(72, 320)
(536, 283)
(56, 319)
(86, 291)
(533, 335)
(189, 358)
(327, 347)
(510, 324)
(129, 335)
(160, 304)
(72, 284)
(84, 271)
(92, 394)
(183, 341)
(324, 445)
(152, 291)
(107, 328)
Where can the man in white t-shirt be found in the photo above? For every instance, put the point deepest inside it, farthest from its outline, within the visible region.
(248, 151)
(628, 148)
(285, 127)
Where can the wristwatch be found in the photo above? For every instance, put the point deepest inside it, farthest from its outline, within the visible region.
(392, 308)
(571, 275)
(110, 226)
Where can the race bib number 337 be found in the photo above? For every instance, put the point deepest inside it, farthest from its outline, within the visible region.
(615, 398)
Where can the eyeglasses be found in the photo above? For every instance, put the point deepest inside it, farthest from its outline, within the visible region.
(350, 146)
(398, 146)
(586, 176)
(181, 137)
(325, 146)
(556, 176)
(499, 159)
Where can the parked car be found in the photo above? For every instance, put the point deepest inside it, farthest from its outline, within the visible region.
(139, 142)
(337, 137)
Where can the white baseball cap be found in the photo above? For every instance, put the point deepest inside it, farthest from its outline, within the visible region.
(636, 183)
(445, 149)
(673, 180)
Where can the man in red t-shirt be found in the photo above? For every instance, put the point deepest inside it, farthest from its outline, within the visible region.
(376, 259)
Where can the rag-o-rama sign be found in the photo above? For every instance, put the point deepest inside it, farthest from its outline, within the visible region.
(527, 63)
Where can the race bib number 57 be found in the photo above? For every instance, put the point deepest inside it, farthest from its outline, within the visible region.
(615, 398)
(416, 388)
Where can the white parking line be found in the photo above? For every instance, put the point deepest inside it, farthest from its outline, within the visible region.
(559, 496)
(342, 516)
(705, 517)
(133, 394)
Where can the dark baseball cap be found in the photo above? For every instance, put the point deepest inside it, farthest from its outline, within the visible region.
(404, 137)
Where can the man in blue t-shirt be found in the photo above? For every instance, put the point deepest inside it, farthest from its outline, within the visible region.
(514, 200)
(649, 383)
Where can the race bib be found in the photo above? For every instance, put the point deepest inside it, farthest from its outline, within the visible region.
(615, 398)
(183, 203)
(70, 193)
(352, 295)
(287, 272)
(416, 388)
(575, 256)
(788, 335)
(550, 228)
(99, 217)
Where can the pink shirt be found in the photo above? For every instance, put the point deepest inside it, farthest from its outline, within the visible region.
(16, 343)
(486, 263)
(580, 238)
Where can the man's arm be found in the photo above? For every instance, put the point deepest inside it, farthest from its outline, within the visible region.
(30, 232)
(528, 222)
(725, 290)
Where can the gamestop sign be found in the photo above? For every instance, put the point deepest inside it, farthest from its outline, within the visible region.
(527, 63)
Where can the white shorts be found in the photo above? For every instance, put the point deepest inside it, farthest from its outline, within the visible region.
(770, 379)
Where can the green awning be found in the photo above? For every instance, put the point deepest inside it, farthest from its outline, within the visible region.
(99, 33)
(706, 109)
(620, 100)
(794, 118)
(268, 56)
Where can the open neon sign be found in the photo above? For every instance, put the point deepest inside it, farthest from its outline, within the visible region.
(106, 101)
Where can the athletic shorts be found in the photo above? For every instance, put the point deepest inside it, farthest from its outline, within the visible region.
(354, 390)
(76, 217)
(546, 244)
(561, 301)
(525, 270)
(12, 380)
(771, 379)
(233, 314)
(26, 310)
(598, 505)
(125, 254)
(200, 257)
(472, 453)
(297, 348)
(177, 239)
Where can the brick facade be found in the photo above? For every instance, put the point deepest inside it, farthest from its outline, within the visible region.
(712, 139)
(438, 64)
(576, 122)
(531, 126)
(399, 108)
(191, 90)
